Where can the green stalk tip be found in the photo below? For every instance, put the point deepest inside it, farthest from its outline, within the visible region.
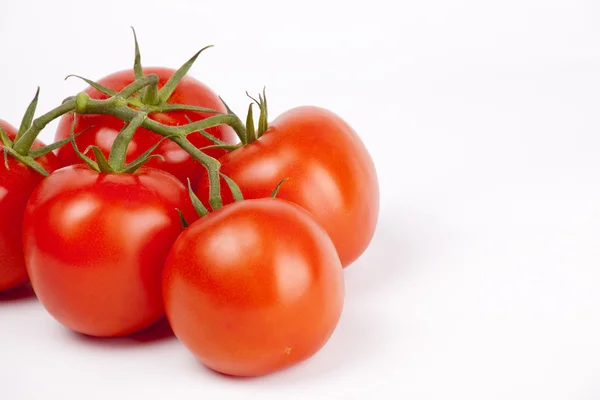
(137, 62)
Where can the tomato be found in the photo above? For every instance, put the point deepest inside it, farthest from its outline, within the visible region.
(253, 287)
(104, 128)
(95, 246)
(16, 184)
(330, 171)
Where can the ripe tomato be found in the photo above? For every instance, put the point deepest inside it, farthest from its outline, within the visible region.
(95, 246)
(104, 128)
(331, 174)
(253, 287)
(16, 184)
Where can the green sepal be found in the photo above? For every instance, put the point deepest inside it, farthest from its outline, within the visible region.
(266, 108)
(26, 160)
(147, 154)
(95, 85)
(262, 119)
(198, 206)
(42, 151)
(137, 62)
(29, 114)
(169, 87)
(144, 157)
(184, 223)
(103, 164)
(5, 152)
(250, 131)
(253, 99)
(233, 187)
(263, 122)
(138, 163)
(276, 190)
(5, 139)
(91, 163)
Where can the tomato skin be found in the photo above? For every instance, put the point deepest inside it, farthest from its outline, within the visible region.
(254, 287)
(16, 185)
(95, 246)
(104, 128)
(331, 174)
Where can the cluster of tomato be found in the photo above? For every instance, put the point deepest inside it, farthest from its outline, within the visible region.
(237, 232)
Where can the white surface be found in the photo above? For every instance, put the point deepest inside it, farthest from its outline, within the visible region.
(482, 117)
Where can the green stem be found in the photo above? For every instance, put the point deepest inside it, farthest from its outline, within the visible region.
(24, 143)
(127, 114)
(212, 168)
(118, 151)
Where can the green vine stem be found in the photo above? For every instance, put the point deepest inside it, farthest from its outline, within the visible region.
(118, 152)
(118, 106)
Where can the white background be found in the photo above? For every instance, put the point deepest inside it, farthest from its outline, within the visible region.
(482, 281)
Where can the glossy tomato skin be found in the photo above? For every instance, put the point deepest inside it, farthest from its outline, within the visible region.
(254, 287)
(105, 128)
(330, 171)
(16, 185)
(95, 246)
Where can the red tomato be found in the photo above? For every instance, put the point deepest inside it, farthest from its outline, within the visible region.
(104, 128)
(253, 287)
(16, 185)
(95, 246)
(331, 174)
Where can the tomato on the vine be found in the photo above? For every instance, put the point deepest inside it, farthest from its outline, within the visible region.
(253, 287)
(17, 182)
(330, 171)
(101, 130)
(95, 246)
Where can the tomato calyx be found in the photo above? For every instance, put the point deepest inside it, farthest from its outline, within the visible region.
(248, 133)
(115, 164)
(117, 106)
(24, 153)
(236, 193)
(201, 208)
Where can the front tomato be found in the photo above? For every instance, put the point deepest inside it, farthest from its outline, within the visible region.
(253, 287)
(95, 246)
